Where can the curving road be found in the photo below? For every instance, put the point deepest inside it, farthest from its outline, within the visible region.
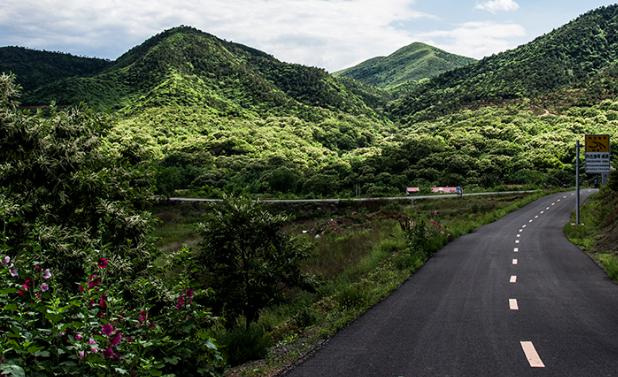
(515, 298)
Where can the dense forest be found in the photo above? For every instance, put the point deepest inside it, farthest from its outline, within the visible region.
(564, 58)
(220, 117)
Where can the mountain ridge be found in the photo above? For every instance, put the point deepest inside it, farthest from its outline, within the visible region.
(411, 63)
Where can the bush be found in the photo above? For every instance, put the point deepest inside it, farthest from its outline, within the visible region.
(242, 344)
(247, 258)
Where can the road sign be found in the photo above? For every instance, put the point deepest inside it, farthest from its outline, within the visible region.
(598, 159)
(597, 143)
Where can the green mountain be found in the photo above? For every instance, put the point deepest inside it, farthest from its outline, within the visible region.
(564, 58)
(414, 62)
(222, 117)
(188, 67)
(37, 68)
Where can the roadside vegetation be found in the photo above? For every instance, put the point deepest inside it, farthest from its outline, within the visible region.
(358, 255)
(598, 232)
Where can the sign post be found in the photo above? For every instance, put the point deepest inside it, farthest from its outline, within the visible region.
(577, 182)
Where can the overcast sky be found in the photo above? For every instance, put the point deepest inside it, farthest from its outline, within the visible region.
(332, 34)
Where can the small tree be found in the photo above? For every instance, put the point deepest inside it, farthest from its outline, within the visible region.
(247, 258)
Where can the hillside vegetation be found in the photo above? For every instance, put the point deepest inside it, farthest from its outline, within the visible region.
(222, 117)
(411, 63)
(37, 68)
(564, 58)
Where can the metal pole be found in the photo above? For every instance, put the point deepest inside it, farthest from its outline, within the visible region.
(577, 182)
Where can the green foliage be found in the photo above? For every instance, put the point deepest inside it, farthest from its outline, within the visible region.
(411, 63)
(37, 68)
(242, 344)
(247, 258)
(563, 58)
(76, 293)
(60, 187)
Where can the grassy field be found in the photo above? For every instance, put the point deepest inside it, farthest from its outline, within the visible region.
(598, 232)
(360, 255)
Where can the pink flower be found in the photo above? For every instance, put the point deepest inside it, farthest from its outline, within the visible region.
(143, 316)
(91, 341)
(94, 349)
(109, 353)
(13, 272)
(117, 338)
(81, 354)
(79, 336)
(6, 260)
(103, 262)
(180, 302)
(189, 294)
(93, 281)
(44, 287)
(107, 329)
(47, 274)
(103, 302)
(26, 285)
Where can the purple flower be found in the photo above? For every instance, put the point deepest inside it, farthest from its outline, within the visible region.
(116, 339)
(13, 272)
(103, 262)
(91, 341)
(107, 329)
(79, 336)
(109, 353)
(180, 302)
(6, 260)
(47, 274)
(44, 287)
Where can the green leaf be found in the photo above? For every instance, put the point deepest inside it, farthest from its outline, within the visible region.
(12, 370)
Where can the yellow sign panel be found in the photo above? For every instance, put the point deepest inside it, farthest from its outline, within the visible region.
(597, 143)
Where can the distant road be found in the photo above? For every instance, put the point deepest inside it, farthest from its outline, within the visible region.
(513, 299)
(343, 200)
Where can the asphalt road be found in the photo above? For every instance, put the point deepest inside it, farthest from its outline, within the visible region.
(336, 200)
(470, 311)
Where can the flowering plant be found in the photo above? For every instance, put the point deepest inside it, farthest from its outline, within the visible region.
(93, 330)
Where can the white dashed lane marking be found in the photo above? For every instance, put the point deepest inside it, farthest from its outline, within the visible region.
(513, 304)
(533, 357)
(542, 212)
(513, 279)
(523, 226)
(516, 250)
(519, 235)
(530, 220)
(516, 241)
(536, 217)
(514, 261)
(521, 230)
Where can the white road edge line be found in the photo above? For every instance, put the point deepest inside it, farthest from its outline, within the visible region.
(514, 261)
(513, 279)
(533, 357)
(513, 304)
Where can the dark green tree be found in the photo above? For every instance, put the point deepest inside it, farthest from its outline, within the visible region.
(247, 258)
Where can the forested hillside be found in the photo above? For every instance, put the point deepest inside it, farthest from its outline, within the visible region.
(411, 63)
(566, 57)
(185, 66)
(221, 117)
(37, 68)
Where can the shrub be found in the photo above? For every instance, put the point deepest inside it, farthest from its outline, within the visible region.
(247, 258)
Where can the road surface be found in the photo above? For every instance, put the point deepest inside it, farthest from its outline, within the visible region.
(515, 298)
(393, 198)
